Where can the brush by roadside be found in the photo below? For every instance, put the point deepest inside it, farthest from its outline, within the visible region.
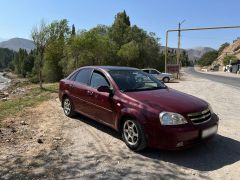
(22, 94)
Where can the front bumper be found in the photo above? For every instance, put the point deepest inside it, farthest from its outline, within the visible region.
(182, 136)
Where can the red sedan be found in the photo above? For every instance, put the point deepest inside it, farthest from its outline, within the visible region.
(143, 109)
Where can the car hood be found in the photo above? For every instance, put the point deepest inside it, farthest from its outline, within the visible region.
(169, 100)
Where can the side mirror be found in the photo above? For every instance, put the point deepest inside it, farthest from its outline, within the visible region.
(105, 89)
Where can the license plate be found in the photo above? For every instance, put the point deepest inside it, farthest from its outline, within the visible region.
(210, 131)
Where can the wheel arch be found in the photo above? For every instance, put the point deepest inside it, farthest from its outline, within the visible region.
(166, 77)
(66, 95)
(122, 120)
(129, 114)
(63, 97)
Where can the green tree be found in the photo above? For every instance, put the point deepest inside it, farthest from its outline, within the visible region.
(6, 58)
(208, 58)
(120, 29)
(91, 47)
(129, 53)
(184, 59)
(28, 63)
(19, 62)
(40, 38)
(120, 44)
(54, 52)
(73, 33)
(149, 47)
(222, 47)
(229, 59)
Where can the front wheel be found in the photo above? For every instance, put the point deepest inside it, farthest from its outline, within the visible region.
(68, 107)
(133, 135)
(166, 80)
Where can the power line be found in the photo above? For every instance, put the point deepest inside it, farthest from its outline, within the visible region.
(214, 38)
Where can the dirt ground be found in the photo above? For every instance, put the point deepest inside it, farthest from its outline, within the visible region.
(41, 143)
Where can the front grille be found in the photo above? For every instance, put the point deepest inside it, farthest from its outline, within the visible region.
(200, 117)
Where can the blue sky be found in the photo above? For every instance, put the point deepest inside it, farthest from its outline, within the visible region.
(17, 17)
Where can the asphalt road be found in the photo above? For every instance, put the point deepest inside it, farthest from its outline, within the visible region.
(232, 81)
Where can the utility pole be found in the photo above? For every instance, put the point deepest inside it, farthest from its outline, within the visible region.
(166, 52)
(178, 51)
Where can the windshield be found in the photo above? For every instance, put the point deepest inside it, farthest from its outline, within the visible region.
(135, 80)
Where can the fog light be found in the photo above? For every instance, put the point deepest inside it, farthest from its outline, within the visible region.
(179, 144)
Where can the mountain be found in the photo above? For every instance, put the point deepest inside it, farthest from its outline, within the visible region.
(193, 53)
(17, 43)
(196, 53)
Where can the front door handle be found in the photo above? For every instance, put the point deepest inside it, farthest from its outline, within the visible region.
(90, 93)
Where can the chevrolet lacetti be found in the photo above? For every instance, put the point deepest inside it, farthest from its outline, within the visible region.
(144, 110)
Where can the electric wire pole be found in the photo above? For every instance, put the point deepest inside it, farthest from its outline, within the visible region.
(178, 50)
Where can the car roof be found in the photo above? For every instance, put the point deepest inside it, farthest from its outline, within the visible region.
(109, 68)
(149, 69)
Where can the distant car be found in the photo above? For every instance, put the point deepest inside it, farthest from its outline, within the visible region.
(165, 77)
(142, 108)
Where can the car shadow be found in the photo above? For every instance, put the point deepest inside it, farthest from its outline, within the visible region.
(211, 155)
(172, 82)
(98, 125)
(207, 156)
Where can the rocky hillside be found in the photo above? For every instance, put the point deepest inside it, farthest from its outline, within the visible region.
(196, 53)
(17, 43)
(232, 49)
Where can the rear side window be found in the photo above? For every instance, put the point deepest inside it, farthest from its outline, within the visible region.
(146, 71)
(98, 79)
(72, 77)
(83, 76)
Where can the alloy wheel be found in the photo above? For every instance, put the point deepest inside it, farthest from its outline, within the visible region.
(67, 106)
(130, 132)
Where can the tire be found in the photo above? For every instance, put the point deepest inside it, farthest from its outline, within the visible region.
(133, 135)
(166, 79)
(68, 107)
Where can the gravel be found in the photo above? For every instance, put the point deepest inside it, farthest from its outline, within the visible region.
(85, 149)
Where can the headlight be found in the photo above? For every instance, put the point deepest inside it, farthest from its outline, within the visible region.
(169, 118)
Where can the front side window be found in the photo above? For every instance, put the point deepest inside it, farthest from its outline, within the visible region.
(135, 80)
(83, 76)
(146, 71)
(98, 79)
(154, 72)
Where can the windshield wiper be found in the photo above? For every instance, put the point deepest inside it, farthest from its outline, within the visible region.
(129, 90)
(145, 89)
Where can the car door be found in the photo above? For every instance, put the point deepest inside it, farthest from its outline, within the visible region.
(102, 104)
(79, 90)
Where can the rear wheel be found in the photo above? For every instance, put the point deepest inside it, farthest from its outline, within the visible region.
(68, 107)
(133, 135)
(166, 79)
